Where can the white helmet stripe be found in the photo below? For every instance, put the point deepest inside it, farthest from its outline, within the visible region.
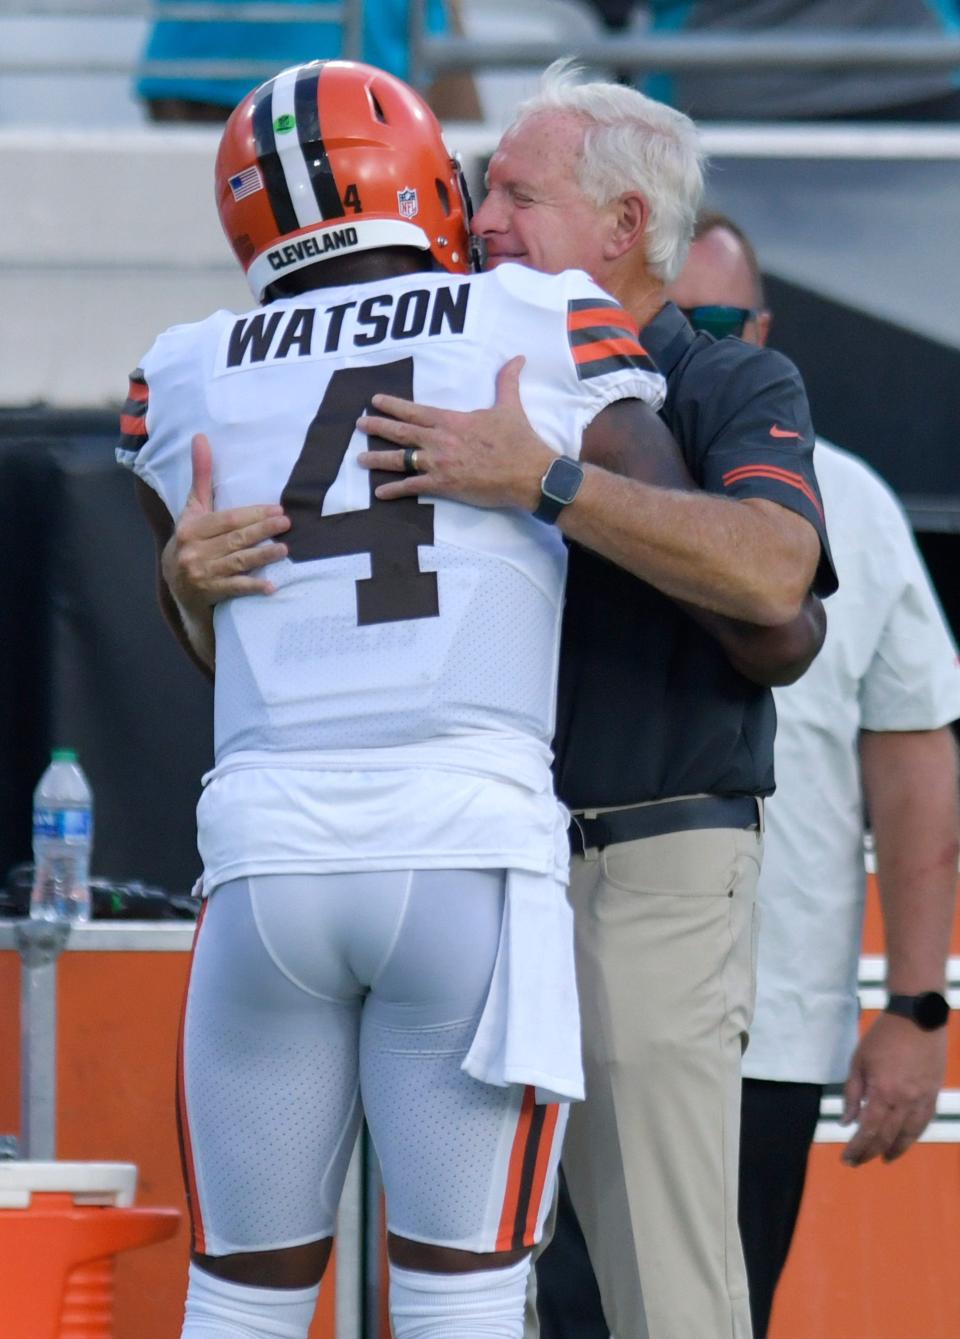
(292, 161)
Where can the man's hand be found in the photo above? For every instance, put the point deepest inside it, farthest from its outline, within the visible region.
(910, 784)
(489, 457)
(891, 1091)
(751, 560)
(210, 554)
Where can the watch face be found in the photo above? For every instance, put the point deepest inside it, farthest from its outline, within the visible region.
(931, 1010)
(562, 480)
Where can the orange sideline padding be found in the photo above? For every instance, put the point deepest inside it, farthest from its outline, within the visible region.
(118, 1015)
(874, 1255)
(873, 1258)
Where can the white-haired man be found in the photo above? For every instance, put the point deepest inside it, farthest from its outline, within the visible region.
(664, 727)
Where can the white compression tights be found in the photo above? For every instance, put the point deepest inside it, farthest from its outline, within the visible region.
(217, 1309)
(485, 1304)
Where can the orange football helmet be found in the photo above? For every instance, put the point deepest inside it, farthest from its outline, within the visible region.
(331, 158)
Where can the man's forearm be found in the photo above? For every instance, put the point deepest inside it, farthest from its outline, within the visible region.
(910, 782)
(771, 657)
(194, 632)
(743, 545)
(750, 560)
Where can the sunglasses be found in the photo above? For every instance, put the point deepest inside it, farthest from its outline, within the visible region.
(720, 321)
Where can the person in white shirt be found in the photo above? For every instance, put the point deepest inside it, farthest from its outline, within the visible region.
(866, 727)
(867, 723)
(384, 858)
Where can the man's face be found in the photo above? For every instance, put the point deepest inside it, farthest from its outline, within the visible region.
(535, 213)
(716, 274)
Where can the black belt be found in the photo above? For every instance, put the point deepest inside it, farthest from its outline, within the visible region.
(655, 820)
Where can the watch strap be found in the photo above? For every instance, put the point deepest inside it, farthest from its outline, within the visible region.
(929, 1010)
(548, 508)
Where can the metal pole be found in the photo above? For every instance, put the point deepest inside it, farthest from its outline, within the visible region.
(418, 71)
(352, 48)
(891, 51)
(254, 13)
(374, 1301)
(199, 12)
(432, 55)
(348, 1300)
(39, 944)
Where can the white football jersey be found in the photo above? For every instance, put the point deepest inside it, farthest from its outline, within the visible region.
(394, 624)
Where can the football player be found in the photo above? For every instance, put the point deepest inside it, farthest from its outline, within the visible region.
(384, 925)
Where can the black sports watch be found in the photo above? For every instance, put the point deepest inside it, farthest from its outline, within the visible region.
(558, 487)
(929, 1010)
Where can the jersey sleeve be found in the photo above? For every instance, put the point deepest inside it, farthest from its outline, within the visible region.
(165, 406)
(608, 360)
(133, 419)
(761, 438)
(913, 679)
(582, 350)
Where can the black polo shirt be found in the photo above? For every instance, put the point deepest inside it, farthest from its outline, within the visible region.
(648, 705)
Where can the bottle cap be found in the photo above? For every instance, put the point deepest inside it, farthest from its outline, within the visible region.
(63, 755)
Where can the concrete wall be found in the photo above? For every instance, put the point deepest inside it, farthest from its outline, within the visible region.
(106, 238)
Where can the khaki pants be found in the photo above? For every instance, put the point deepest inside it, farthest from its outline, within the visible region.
(666, 932)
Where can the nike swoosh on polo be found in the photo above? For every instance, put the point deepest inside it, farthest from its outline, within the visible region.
(777, 431)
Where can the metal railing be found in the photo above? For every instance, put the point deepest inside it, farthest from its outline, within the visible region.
(637, 53)
(646, 53)
(348, 13)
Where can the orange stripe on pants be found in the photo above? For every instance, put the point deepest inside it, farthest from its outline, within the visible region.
(186, 1152)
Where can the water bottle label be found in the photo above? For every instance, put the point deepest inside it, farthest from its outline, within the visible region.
(62, 823)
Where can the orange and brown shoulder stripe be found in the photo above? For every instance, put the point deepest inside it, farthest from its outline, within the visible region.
(133, 416)
(604, 338)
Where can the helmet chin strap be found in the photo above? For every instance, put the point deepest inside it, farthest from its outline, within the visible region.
(478, 254)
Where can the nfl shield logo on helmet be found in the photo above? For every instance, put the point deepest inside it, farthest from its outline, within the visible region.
(407, 203)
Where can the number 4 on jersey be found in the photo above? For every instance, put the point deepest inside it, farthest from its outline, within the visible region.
(391, 532)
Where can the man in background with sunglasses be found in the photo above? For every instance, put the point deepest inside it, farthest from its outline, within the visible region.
(869, 722)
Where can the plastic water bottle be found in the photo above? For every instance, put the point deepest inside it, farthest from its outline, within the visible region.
(62, 839)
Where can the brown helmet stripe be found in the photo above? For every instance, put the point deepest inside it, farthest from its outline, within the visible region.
(265, 143)
(311, 142)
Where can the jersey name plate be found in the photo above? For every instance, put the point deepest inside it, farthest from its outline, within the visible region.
(291, 334)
